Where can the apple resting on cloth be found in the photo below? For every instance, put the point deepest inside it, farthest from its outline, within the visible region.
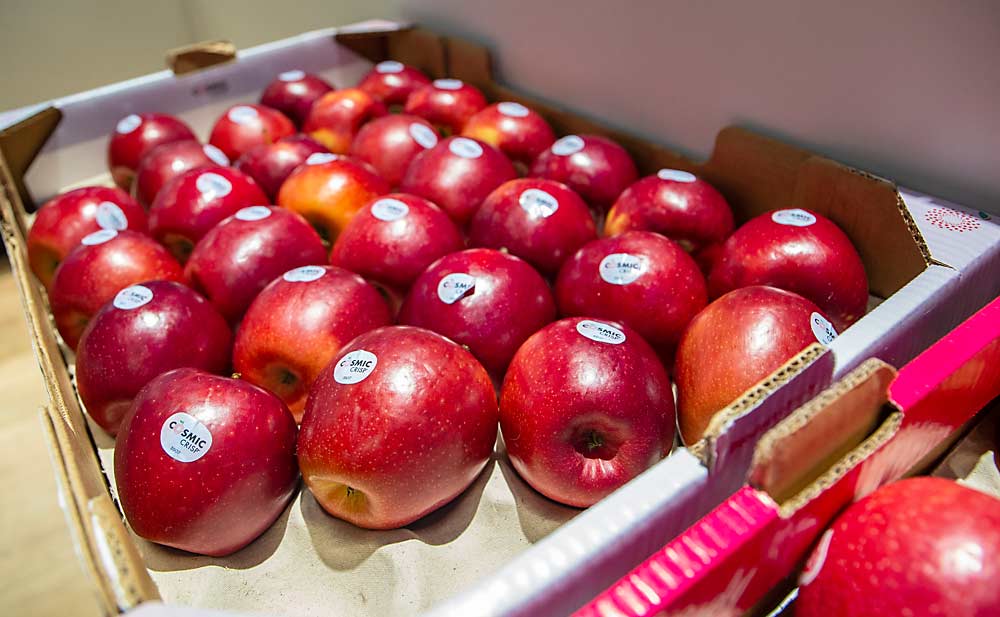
(296, 326)
(147, 330)
(920, 547)
(204, 463)
(399, 424)
(735, 342)
(585, 407)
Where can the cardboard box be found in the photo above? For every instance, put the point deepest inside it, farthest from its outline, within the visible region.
(924, 279)
(870, 428)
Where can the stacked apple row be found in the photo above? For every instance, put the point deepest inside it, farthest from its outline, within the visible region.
(299, 298)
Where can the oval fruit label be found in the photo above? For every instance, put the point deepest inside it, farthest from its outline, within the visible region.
(622, 268)
(447, 84)
(110, 216)
(512, 109)
(816, 559)
(354, 367)
(569, 144)
(99, 237)
(253, 213)
(465, 148)
(243, 114)
(454, 286)
(538, 204)
(184, 438)
(600, 332)
(213, 186)
(389, 66)
(796, 217)
(822, 329)
(424, 136)
(128, 124)
(318, 158)
(389, 209)
(215, 155)
(676, 175)
(294, 75)
(133, 297)
(304, 274)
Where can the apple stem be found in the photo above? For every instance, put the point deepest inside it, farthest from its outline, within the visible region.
(594, 440)
(350, 491)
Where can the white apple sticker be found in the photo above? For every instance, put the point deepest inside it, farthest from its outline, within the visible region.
(185, 438)
(215, 155)
(304, 274)
(816, 559)
(213, 186)
(538, 204)
(389, 66)
(465, 148)
(318, 158)
(294, 75)
(622, 268)
(424, 136)
(822, 328)
(253, 213)
(570, 144)
(676, 175)
(389, 209)
(600, 332)
(512, 109)
(447, 84)
(454, 286)
(110, 216)
(133, 297)
(354, 367)
(99, 237)
(243, 114)
(128, 124)
(796, 217)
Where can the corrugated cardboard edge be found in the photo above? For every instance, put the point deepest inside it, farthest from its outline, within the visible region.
(197, 56)
(108, 552)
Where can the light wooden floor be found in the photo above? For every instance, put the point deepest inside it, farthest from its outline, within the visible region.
(39, 571)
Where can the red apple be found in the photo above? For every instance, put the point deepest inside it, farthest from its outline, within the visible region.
(392, 82)
(394, 238)
(515, 130)
(336, 117)
(540, 221)
(147, 330)
(195, 202)
(104, 263)
(296, 326)
(390, 144)
(595, 167)
(446, 103)
(675, 203)
(137, 134)
(329, 193)
(585, 407)
(920, 547)
(457, 175)
(400, 423)
(270, 165)
(204, 463)
(800, 251)
(293, 94)
(65, 219)
(238, 257)
(488, 301)
(737, 341)
(166, 162)
(638, 278)
(245, 126)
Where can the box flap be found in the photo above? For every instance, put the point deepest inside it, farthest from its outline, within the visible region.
(956, 236)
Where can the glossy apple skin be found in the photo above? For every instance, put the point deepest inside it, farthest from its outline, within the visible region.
(270, 165)
(65, 219)
(124, 349)
(221, 502)
(509, 303)
(183, 213)
(658, 304)
(817, 262)
(238, 258)
(520, 137)
(239, 130)
(338, 116)
(365, 447)
(392, 87)
(330, 194)
(388, 145)
(738, 340)
(394, 253)
(447, 109)
(91, 275)
(458, 185)
(294, 97)
(126, 149)
(692, 213)
(543, 241)
(579, 417)
(598, 172)
(922, 546)
(293, 329)
(164, 163)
